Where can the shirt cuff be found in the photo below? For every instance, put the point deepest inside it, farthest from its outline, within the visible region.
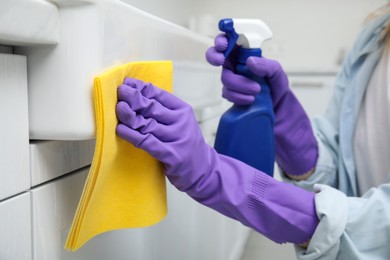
(325, 242)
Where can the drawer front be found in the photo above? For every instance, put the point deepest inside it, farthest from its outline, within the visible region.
(53, 207)
(15, 228)
(14, 140)
(51, 159)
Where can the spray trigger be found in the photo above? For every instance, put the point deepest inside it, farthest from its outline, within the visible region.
(247, 33)
(227, 26)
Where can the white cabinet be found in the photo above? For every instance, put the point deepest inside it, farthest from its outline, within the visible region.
(95, 36)
(51, 159)
(26, 22)
(14, 141)
(197, 84)
(53, 207)
(15, 228)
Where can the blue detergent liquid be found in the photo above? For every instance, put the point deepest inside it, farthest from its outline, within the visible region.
(246, 133)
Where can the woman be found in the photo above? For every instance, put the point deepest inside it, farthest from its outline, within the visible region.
(331, 212)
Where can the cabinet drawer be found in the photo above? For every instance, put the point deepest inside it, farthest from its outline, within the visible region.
(15, 228)
(14, 154)
(51, 159)
(53, 207)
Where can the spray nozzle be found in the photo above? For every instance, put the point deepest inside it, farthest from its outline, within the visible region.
(248, 33)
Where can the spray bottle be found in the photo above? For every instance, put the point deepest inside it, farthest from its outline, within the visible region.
(247, 132)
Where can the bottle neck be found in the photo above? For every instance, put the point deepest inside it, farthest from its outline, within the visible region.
(244, 54)
(242, 69)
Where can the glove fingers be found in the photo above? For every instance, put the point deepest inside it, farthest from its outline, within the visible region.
(148, 108)
(221, 42)
(130, 135)
(146, 142)
(141, 124)
(149, 91)
(237, 98)
(239, 84)
(273, 72)
(214, 57)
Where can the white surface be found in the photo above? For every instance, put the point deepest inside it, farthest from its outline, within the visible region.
(53, 207)
(197, 84)
(177, 11)
(94, 37)
(260, 247)
(51, 159)
(28, 22)
(235, 239)
(220, 237)
(208, 118)
(14, 156)
(15, 228)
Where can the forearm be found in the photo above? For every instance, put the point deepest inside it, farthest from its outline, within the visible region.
(295, 144)
(280, 211)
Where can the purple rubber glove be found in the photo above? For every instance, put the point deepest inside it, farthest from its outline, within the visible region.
(165, 127)
(295, 145)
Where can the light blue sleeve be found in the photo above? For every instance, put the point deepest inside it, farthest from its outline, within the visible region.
(350, 227)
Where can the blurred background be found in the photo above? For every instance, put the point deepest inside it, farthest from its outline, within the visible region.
(307, 34)
(47, 146)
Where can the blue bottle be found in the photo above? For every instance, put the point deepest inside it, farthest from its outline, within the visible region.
(247, 132)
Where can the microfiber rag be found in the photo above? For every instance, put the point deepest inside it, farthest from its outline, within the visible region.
(125, 187)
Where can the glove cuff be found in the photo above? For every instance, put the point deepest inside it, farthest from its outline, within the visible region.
(287, 212)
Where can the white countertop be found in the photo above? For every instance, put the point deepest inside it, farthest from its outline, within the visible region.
(28, 22)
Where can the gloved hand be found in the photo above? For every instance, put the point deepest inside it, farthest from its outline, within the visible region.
(165, 127)
(295, 145)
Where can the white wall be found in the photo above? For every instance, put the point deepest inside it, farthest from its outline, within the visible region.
(308, 34)
(176, 11)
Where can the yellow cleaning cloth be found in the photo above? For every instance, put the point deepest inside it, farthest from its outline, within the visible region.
(125, 187)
